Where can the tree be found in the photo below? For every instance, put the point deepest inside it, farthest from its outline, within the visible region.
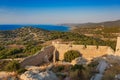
(71, 55)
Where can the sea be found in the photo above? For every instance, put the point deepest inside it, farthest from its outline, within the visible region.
(45, 27)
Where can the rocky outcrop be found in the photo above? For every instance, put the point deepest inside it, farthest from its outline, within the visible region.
(36, 75)
(79, 60)
(102, 66)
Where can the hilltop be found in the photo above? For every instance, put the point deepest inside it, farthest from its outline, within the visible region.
(104, 30)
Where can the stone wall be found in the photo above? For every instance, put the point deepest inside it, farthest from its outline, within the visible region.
(38, 58)
(88, 52)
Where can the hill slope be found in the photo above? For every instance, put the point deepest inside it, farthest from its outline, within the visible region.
(104, 30)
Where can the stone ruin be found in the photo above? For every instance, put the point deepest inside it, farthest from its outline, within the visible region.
(57, 50)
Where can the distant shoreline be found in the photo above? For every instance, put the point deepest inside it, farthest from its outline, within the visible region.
(45, 27)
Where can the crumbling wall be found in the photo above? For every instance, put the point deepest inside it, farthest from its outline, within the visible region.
(38, 58)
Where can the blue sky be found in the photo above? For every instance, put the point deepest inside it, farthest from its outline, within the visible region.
(58, 11)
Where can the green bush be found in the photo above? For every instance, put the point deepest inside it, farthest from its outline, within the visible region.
(8, 53)
(71, 55)
(12, 66)
(21, 70)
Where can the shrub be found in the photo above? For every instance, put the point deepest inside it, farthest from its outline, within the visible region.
(8, 53)
(71, 55)
(12, 66)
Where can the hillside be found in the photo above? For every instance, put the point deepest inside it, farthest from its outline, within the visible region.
(28, 40)
(104, 30)
(23, 35)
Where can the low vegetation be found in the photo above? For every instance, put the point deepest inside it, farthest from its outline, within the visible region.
(19, 52)
(11, 66)
(104, 33)
(82, 39)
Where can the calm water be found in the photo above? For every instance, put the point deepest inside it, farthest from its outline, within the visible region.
(46, 27)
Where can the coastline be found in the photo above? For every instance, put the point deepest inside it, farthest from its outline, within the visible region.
(45, 27)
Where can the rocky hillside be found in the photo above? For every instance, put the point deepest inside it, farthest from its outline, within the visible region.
(23, 35)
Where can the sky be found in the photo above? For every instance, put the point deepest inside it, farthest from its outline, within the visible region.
(58, 11)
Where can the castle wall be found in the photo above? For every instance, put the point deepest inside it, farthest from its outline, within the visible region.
(38, 58)
(89, 52)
